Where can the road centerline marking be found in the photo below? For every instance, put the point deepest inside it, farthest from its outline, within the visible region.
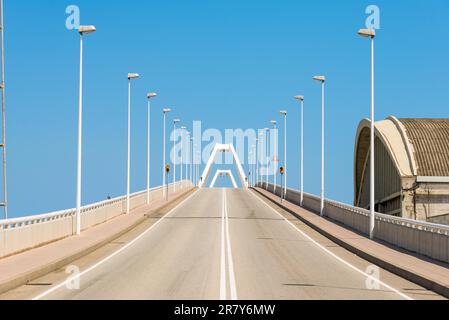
(223, 251)
(229, 251)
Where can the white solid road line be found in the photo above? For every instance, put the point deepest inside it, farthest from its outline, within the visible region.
(333, 254)
(78, 276)
(223, 251)
(226, 254)
(230, 260)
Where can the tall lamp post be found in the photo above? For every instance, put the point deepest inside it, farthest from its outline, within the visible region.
(267, 154)
(261, 155)
(275, 157)
(254, 164)
(198, 160)
(194, 154)
(175, 122)
(251, 166)
(371, 33)
(82, 30)
(301, 183)
(149, 96)
(183, 130)
(194, 163)
(284, 113)
(164, 182)
(131, 76)
(3, 108)
(191, 160)
(250, 169)
(257, 161)
(322, 79)
(188, 157)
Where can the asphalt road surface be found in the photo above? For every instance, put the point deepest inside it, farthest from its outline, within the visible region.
(229, 244)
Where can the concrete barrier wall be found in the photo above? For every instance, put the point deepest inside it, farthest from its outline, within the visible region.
(427, 239)
(21, 234)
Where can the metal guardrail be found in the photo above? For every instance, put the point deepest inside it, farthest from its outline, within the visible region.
(404, 222)
(424, 238)
(20, 234)
(415, 224)
(52, 216)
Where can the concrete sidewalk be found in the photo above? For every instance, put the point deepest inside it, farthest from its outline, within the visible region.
(427, 273)
(24, 267)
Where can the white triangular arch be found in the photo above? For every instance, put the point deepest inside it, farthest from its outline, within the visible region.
(224, 173)
(210, 162)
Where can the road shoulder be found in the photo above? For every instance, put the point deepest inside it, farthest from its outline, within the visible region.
(25, 267)
(428, 274)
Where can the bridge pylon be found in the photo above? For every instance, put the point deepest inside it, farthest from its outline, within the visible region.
(223, 148)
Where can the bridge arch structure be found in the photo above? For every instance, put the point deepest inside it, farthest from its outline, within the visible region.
(223, 148)
(221, 173)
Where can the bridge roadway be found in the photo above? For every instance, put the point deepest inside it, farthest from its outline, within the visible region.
(223, 244)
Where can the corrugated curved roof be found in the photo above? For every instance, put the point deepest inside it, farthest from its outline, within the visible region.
(430, 141)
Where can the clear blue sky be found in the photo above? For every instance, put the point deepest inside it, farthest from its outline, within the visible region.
(231, 64)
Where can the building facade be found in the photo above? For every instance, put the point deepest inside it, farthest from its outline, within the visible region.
(411, 168)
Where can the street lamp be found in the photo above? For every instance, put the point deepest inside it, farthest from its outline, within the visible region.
(175, 121)
(301, 100)
(267, 155)
(322, 79)
(261, 155)
(183, 130)
(371, 33)
(250, 169)
(164, 182)
(275, 157)
(149, 96)
(198, 160)
(194, 163)
(191, 160)
(254, 164)
(131, 76)
(188, 174)
(82, 30)
(284, 113)
(257, 161)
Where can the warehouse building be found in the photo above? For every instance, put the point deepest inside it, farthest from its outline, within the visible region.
(411, 171)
